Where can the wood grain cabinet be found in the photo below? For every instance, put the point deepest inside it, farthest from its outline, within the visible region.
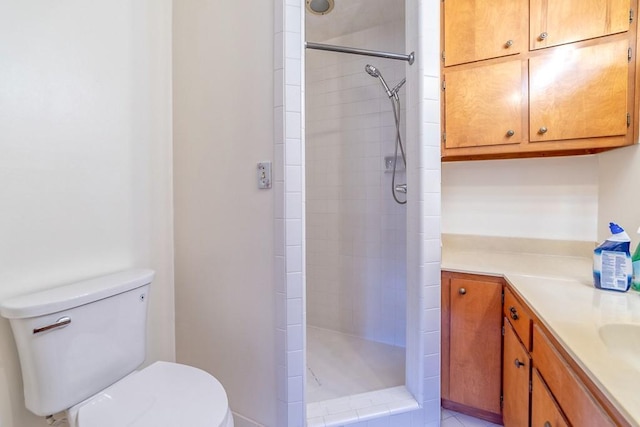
(540, 386)
(500, 363)
(516, 362)
(569, 90)
(471, 344)
(480, 29)
(545, 411)
(553, 23)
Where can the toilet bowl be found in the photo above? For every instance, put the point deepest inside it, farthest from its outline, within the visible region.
(80, 347)
(163, 394)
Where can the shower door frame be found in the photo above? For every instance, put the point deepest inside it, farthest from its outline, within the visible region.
(422, 377)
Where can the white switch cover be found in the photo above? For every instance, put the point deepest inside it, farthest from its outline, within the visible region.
(264, 175)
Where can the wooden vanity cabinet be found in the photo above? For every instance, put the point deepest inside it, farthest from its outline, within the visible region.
(571, 394)
(545, 411)
(471, 344)
(516, 372)
(571, 91)
(501, 364)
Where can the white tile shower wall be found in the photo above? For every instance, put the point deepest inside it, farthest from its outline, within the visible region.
(423, 255)
(289, 184)
(356, 233)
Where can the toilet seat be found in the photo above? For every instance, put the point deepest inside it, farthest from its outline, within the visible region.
(163, 394)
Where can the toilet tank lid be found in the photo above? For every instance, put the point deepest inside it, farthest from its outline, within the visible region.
(75, 294)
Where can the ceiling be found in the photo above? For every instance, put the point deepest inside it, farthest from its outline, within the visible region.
(350, 16)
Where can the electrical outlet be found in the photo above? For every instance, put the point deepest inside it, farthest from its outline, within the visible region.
(264, 175)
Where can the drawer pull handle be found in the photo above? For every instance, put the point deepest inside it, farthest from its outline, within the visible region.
(542, 130)
(508, 44)
(547, 424)
(543, 36)
(514, 313)
(462, 291)
(510, 132)
(518, 363)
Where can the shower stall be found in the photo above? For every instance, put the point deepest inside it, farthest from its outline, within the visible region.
(355, 193)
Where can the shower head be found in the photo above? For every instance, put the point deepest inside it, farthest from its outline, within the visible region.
(374, 72)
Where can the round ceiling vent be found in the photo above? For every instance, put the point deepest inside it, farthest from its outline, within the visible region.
(319, 7)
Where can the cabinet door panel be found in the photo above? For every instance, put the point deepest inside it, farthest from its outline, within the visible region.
(578, 404)
(483, 104)
(579, 92)
(515, 371)
(544, 409)
(482, 29)
(475, 346)
(573, 20)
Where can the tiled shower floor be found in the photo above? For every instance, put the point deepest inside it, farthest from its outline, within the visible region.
(341, 365)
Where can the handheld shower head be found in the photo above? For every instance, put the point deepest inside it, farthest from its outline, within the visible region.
(374, 72)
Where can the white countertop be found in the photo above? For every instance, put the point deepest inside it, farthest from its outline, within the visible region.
(559, 289)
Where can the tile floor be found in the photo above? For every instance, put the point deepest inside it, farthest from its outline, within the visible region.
(450, 418)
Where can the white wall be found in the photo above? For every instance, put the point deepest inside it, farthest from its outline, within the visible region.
(223, 126)
(356, 232)
(548, 198)
(618, 192)
(85, 158)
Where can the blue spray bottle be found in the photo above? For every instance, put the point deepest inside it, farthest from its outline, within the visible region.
(612, 261)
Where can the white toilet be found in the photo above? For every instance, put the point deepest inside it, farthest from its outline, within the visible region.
(80, 346)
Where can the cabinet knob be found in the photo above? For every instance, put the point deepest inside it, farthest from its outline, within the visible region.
(514, 313)
(510, 132)
(542, 130)
(508, 44)
(518, 363)
(547, 424)
(462, 291)
(542, 36)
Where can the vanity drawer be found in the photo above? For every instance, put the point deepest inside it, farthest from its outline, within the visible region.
(519, 318)
(579, 406)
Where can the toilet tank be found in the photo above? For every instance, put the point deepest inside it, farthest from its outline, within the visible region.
(77, 339)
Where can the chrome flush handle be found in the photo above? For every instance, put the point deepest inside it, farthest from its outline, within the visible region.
(60, 323)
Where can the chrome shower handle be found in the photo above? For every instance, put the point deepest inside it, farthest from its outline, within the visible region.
(401, 188)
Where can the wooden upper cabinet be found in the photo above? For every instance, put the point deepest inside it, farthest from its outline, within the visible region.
(480, 29)
(579, 92)
(475, 343)
(554, 22)
(483, 105)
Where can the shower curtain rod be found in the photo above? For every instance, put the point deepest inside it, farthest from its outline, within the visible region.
(319, 46)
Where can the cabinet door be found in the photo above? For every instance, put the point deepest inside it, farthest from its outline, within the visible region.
(577, 403)
(475, 344)
(544, 409)
(483, 105)
(557, 22)
(579, 92)
(515, 371)
(482, 29)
